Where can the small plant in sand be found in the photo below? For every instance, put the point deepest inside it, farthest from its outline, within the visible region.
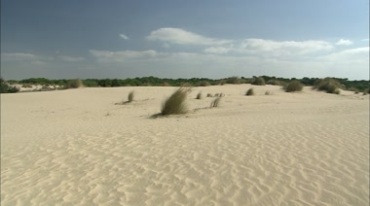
(209, 95)
(199, 95)
(268, 93)
(130, 96)
(250, 92)
(293, 86)
(215, 102)
(176, 104)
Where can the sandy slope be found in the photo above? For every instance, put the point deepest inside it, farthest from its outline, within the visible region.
(76, 147)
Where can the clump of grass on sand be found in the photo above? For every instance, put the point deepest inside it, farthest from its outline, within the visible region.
(293, 86)
(250, 92)
(215, 102)
(209, 95)
(199, 95)
(268, 93)
(176, 103)
(329, 85)
(130, 96)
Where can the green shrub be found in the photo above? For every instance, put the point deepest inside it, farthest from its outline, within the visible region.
(176, 104)
(250, 92)
(6, 88)
(258, 81)
(293, 86)
(130, 96)
(73, 84)
(215, 102)
(329, 85)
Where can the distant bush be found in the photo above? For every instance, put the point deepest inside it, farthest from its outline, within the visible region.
(130, 96)
(275, 82)
(73, 84)
(176, 104)
(90, 83)
(233, 80)
(215, 102)
(250, 92)
(203, 83)
(258, 81)
(221, 82)
(268, 93)
(293, 86)
(209, 95)
(329, 85)
(6, 88)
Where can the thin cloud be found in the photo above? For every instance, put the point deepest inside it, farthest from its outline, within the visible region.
(183, 37)
(218, 50)
(361, 53)
(272, 48)
(293, 46)
(71, 59)
(120, 56)
(18, 56)
(344, 42)
(123, 36)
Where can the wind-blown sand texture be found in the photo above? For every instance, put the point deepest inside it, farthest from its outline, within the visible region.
(76, 147)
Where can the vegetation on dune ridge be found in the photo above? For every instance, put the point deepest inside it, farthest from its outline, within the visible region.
(359, 85)
(6, 88)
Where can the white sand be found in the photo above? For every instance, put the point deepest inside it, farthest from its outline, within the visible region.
(75, 147)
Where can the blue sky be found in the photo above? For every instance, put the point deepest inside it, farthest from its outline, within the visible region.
(177, 38)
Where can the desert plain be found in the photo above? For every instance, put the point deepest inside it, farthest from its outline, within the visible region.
(78, 147)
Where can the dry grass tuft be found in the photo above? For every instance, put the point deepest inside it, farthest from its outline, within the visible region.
(176, 103)
(250, 92)
(215, 102)
(130, 96)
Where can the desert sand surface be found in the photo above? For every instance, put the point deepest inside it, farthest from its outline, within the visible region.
(77, 147)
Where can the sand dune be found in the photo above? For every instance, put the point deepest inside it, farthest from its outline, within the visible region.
(76, 147)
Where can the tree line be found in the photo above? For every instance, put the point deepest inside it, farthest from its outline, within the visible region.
(354, 85)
